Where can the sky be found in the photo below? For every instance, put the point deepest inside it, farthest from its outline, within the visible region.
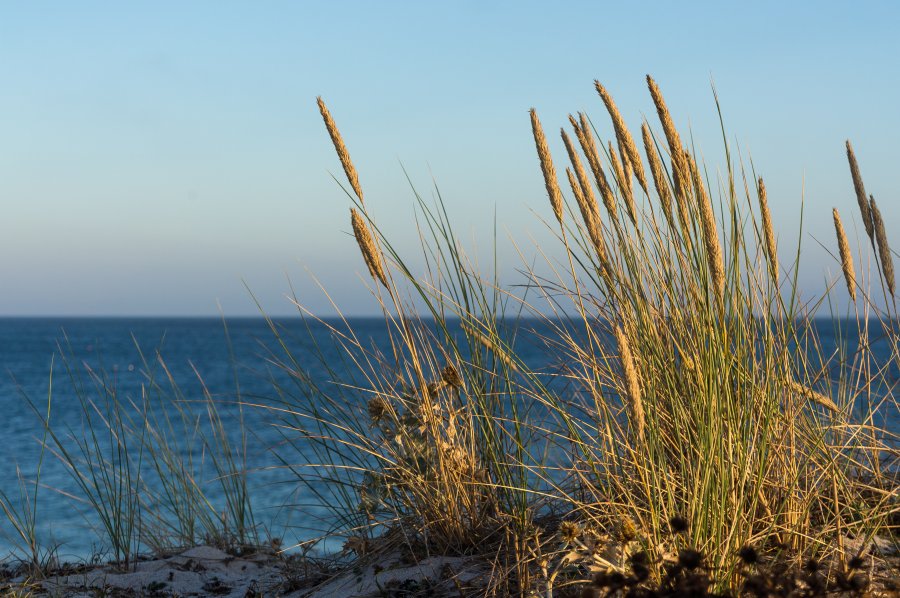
(168, 158)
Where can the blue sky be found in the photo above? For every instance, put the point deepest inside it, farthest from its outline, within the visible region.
(155, 156)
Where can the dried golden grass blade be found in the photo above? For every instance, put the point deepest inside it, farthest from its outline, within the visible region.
(367, 247)
(768, 232)
(846, 256)
(341, 149)
(540, 142)
(626, 141)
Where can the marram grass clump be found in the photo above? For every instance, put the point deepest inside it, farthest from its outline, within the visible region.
(692, 386)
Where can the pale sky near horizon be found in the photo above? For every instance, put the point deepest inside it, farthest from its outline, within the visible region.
(157, 156)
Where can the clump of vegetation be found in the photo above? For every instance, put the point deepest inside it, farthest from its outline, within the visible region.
(697, 384)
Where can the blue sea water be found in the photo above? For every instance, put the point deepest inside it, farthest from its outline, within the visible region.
(233, 361)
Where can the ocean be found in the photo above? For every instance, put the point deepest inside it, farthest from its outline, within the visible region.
(233, 361)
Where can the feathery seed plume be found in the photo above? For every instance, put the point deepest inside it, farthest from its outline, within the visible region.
(619, 172)
(710, 230)
(846, 256)
(340, 148)
(367, 247)
(590, 217)
(679, 169)
(659, 175)
(768, 233)
(540, 141)
(586, 139)
(624, 135)
(586, 189)
(811, 395)
(627, 169)
(632, 384)
(884, 250)
(490, 345)
(860, 192)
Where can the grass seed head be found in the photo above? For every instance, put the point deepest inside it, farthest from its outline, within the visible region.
(341, 149)
(589, 216)
(658, 172)
(586, 139)
(679, 169)
(714, 257)
(543, 150)
(860, 192)
(884, 250)
(811, 395)
(367, 247)
(626, 141)
(619, 170)
(846, 256)
(632, 383)
(586, 190)
(768, 232)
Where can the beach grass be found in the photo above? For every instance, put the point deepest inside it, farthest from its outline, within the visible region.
(694, 408)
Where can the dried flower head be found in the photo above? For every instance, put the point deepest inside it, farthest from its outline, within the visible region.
(340, 148)
(846, 256)
(540, 141)
(367, 247)
(569, 531)
(378, 409)
(451, 377)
